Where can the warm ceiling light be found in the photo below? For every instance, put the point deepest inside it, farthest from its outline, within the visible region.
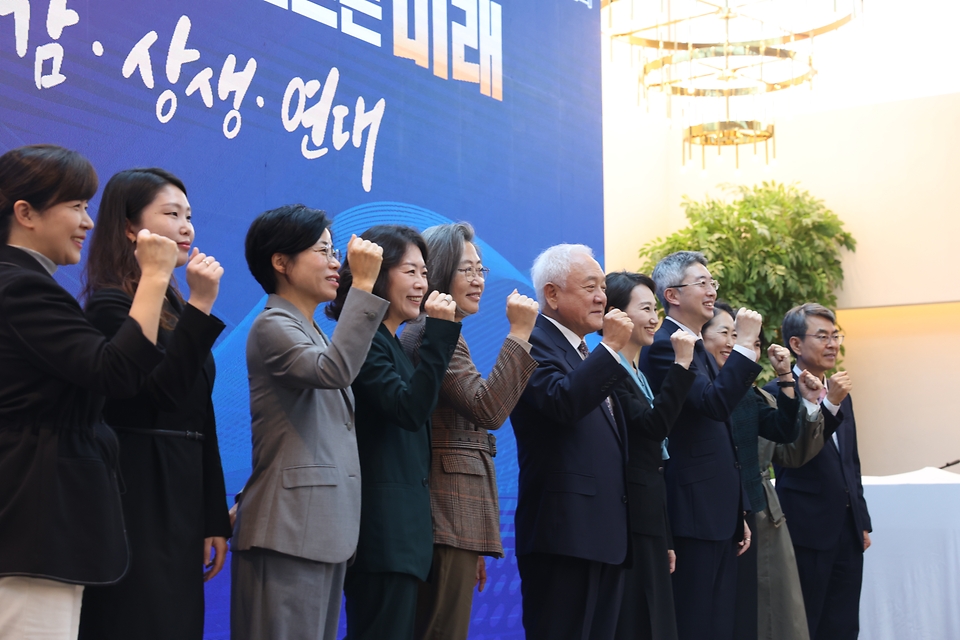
(721, 59)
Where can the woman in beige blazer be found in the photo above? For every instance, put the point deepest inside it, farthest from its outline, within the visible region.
(463, 484)
(298, 519)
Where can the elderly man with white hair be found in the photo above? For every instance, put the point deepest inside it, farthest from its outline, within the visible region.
(571, 519)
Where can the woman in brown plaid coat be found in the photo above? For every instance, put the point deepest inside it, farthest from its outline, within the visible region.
(463, 484)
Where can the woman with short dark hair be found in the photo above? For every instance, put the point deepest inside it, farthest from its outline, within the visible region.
(463, 483)
(61, 524)
(394, 402)
(175, 501)
(298, 516)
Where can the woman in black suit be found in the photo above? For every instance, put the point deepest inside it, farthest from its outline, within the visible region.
(61, 525)
(175, 501)
(647, 608)
(394, 403)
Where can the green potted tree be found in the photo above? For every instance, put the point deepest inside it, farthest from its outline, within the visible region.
(772, 246)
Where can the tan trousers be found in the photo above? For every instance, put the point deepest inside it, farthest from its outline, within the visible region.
(443, 603)
(38, 609)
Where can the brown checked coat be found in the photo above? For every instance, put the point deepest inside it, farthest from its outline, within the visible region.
(463, 483)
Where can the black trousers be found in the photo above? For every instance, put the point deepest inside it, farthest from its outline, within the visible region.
(647, 610)
(831, 580)
(745, 625)
(566, 598)
(705, 588)
(380, 606)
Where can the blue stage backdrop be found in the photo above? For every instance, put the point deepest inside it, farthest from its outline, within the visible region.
(406, 111)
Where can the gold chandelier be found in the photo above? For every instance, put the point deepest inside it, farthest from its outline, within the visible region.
(722, 59)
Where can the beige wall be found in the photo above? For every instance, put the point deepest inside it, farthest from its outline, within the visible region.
(890, 171)
(885, 159)
(901, 360)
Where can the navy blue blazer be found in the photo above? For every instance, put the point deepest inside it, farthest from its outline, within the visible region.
(815, 496)
(572, 454)
(704, 497)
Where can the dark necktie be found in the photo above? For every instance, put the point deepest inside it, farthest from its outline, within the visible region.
(584, 352)
(701, 353)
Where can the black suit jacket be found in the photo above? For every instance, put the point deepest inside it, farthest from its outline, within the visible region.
(60, 515)
(394, 403)
(175, 397)
(647, 426)
(572, 453)
(704, 497)
(814, 497)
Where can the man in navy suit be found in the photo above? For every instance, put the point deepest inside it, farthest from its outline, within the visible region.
(704, 496)
(571, 518)
(823, 500)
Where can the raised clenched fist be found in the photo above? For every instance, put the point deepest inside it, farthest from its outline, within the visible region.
(617, 329)
(156, 255)
(522, 313)
(780, 359)
(839, 387)
(365, 258)
(749, 324)
(441, 306)
(203, 278)
(683, 343)
(810, 387)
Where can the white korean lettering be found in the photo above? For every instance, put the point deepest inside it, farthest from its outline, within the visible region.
(52, 51)
(139, 58)
(237, 83)
(340, 137)
(201, 82)
(59, 17)
(361, 121)
(314, 11)
(351, 28)
(295, 114)
(166, 106)
(21, 22)
(178, 54)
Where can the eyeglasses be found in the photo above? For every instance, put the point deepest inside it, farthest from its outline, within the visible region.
(825, 339)
(470, 273)
(329, 252)
(699, 283)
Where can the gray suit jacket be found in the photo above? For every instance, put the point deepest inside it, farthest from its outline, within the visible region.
(303, 495)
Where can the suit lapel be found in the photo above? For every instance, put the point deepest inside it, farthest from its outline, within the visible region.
(574, 360)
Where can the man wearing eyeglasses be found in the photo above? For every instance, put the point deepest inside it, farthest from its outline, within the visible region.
(823, 500)
(704, 496)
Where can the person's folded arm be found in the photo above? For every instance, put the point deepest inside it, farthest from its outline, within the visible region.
(407, 403)
(567, 396)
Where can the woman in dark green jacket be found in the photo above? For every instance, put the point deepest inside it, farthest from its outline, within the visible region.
(394, 402)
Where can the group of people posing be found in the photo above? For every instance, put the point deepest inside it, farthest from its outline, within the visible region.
(645, 505)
